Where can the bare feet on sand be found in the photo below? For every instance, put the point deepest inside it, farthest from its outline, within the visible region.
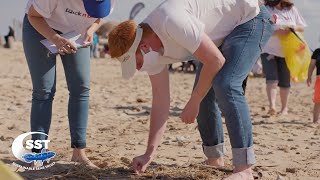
(79, 156)
(241, 173)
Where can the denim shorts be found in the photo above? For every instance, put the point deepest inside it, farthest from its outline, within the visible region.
(276, 70)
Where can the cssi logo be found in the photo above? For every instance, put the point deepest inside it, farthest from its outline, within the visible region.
(22, 151)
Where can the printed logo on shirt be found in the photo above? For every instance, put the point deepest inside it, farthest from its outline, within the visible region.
(78, 13)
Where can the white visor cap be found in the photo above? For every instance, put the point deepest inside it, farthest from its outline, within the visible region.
(128, 59)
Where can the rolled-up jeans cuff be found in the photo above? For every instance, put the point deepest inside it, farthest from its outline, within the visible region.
(243, 156)
(216, 151)
(78, 145)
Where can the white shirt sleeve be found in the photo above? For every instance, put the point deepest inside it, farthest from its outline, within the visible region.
(299, 19)
(186, 31)
(44, 7)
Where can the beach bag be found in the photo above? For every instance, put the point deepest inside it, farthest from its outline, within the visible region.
(297, 54)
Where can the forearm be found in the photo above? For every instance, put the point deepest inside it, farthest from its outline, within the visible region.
(299, 28)
(207, 75)
(96, 25)
(213, 60)
(157, 127)
(160, 110)
(311, 68)
(42, 27)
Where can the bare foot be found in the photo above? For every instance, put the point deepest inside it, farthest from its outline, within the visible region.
(79, 156)
(241, 175)
(214, 162)
(284, 111)
(272, 112)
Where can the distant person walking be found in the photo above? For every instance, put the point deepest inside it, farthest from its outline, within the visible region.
(95, 46)
(10, 34)
(48, 19)
(274, 64)
(315, 63)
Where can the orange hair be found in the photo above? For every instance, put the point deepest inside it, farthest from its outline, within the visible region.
(122, 36)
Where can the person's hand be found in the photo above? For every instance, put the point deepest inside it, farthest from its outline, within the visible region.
(309, 81)
(190, 111)
(140, 163)
(88, 37)
(283, 31)
(63, 45)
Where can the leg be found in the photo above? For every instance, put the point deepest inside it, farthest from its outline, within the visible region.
(270, 69)
(43, 70)
(77, 69)
(241, 49)
(6, 38)
(210, 127)
(284, 96)
(316, 112)
(316, 100)
(284, 84)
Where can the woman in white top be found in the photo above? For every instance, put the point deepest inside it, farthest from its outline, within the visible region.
(48, 19)
(180, 28)
(274, 64)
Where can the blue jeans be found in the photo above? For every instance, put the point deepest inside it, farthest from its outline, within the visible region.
(241, 49)
(43, 75)
(276, 70)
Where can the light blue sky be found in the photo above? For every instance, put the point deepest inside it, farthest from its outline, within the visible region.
(10, 9)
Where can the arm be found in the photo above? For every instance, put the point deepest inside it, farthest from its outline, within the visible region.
(212, 60)
(298, 28)
(39, 23)
(159, 116)
(91, 29)
(310, 71)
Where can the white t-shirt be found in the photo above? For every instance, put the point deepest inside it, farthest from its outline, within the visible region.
(63, 15)
(180, 23)
(285, 18)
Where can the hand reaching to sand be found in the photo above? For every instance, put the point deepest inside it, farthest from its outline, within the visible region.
(140, 163)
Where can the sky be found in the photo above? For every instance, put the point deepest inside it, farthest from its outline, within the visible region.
(14, 9)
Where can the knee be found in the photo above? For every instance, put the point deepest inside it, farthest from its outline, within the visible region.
(222, 87)
(43, 95)
(80, 91)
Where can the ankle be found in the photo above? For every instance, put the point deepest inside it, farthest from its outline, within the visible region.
(78, 154)
(216, 162)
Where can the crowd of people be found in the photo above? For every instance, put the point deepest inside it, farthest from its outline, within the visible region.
(225, 38)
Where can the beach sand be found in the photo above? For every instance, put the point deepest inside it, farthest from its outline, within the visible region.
(287, 147)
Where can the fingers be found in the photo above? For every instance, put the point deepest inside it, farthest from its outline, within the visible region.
(66, 47)
(136, 165)
(143, 168)
(86, 39)
(186, 119)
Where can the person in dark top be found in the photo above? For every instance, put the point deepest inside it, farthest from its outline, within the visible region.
(11, 33)
(315, 62)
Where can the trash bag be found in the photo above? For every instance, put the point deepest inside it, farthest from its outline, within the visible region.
(297, 54)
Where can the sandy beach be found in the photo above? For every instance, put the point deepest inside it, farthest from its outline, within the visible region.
(287, 147)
